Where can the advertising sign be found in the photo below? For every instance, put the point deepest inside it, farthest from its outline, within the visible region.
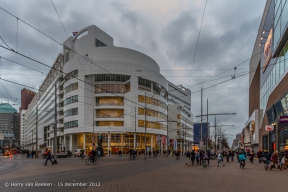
(158, 139)
(267, 54)
(1, 136)
(269, 128)
(283, 119)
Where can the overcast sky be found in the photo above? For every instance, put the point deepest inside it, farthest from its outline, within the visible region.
(166, 30)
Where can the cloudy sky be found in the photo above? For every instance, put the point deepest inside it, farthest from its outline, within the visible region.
(166, 30)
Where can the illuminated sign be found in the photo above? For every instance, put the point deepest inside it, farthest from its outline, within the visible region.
(269, 128)
(283, 119)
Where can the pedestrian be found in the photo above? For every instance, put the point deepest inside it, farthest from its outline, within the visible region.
(208, 157)
(252, 156)
(259, 153)
(109, 152)
(48, 157)
(232, 155)
(188, 162)
(197, 158)
(201, 157)
(149, 153)
(265, 158)
(28, 154)
(282, 159)
(154, 153)
(192, 157)
(139, 153)
(120, 153)
(220, 159)
(275, 160)
(227, 155)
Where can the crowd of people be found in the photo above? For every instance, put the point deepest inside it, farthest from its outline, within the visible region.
(270, 161)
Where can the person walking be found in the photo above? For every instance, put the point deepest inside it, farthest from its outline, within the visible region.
(120, 153)
(220, 159)
(197, 158)
(149, 153)
(275, 160)
(154, 153)
(192, 157)
(109, 152)
(252, 156)
(265, 158)
(259, 153)
(48, 157)
(232, 155)
(227, 156)
(188, 162)
(282, 159)
(201, 157)
(139, 153)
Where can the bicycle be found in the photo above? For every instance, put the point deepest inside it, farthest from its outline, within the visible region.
(89, 160)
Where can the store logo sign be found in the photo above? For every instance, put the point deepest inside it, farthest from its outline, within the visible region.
(269, 127)
(283, 119)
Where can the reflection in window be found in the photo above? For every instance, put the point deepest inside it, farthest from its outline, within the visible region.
(112, 77)
(71, 75)
(71, 112)
(152, 113)
(71, 87)
(109, 101)
(153, 125)
(70, 100)
(111, 88)
(99, 43)
(71, 124)
(109, 113)
(110, 123)
(152, 101)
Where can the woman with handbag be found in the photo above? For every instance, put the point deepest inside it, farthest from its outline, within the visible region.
(275, 158)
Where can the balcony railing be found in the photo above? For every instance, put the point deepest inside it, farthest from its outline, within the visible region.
(109, 116)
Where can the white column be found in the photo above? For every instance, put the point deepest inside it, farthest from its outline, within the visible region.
(64, 142)
(109, 142)
(70, 142)
(84, 141)
(151, 143)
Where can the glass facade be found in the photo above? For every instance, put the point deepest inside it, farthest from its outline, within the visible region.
(153, 125)
(283, 138)
(152, 113)
(112, 88)
(70, 100)
(109, 113)
(111, 77)
(71, 87)
(146, 85)
(109, 101)
(152, 101)
(71, 124)
(71, 75)
(71, 112)
(98, 43)
(110, 123)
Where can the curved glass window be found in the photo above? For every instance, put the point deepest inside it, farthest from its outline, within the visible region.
(152, 113)
(71, 124)
(71, 75)
(109, 101)
(71, 112)
(71, 87)
(112, 77)
(146, 85)
(70, 100)
(112, 88)
(153, 125)
(110, 123)
(152, 101)
(109, 113)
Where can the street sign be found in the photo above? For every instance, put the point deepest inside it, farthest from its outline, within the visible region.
(269, 128)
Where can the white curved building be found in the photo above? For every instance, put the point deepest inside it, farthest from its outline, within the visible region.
(107, 86)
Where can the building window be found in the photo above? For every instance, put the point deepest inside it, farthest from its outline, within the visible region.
(152, 113)
(109, 101)
(71, 75)
(152, 101)
(99, 43)
(71, 124)
(71, 87)
(71, 112)
(144, 82)
(70, 100)
(109, 113)
(110, 123)
(111, 77)
(110, 88)
(153, 125)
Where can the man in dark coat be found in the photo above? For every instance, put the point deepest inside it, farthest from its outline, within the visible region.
(48, 158)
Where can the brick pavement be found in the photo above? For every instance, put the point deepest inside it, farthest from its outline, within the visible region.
(160, 174)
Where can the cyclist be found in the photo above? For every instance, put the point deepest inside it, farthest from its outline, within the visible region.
(242, 157)
(93, 153)
(82, 153)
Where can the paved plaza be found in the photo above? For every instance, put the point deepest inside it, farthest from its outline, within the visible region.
(122, 174)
